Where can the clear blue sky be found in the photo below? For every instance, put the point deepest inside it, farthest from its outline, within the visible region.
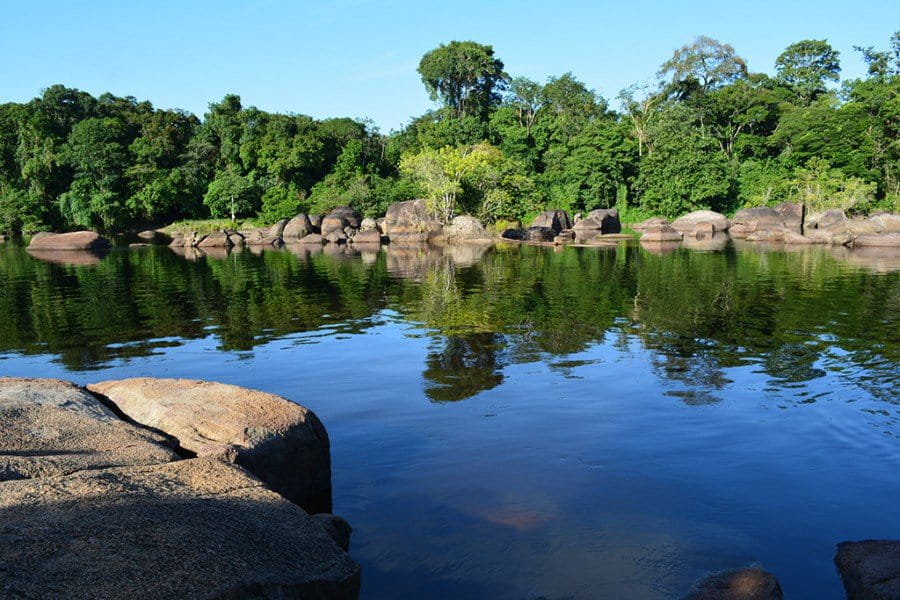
(358, 58)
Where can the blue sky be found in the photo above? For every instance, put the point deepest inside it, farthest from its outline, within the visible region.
(358, 58)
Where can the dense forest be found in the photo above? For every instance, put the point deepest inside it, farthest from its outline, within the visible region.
(707, 133)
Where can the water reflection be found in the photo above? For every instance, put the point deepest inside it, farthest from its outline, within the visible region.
(486, 307)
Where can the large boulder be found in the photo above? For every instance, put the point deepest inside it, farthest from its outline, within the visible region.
(279, 441)
(687, 223)
(219, 239)
(661, 232)
(608, 218)
(353, 218)
(410, 221)
(557, 220)
(870, 569)
(333, 223)
(277, 230)
(53, 427)
(793, 214)
(465, 227)
(825, 219)
(743, 584)
(77, 240)
(195, 528)
(297, 228)
(513, 233)
(367, 236)
(759, 218)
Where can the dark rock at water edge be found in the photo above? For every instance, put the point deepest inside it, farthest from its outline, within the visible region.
(743, 584)
(870, 569)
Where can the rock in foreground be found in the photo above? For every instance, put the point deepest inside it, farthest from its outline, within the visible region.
(281, 442)
(870, 569)
(77, 240)
(196, 528)
(743, 584)
(53, 427)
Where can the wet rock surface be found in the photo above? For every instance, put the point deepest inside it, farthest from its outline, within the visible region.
(743, 584)
(870, 569)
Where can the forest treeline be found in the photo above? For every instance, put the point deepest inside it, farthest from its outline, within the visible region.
(706, 133)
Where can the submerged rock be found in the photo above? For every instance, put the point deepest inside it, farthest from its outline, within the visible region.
(870, 569)
(279, 441)
(77, 240)
(743, 584)
(195, 528)
(53, 427)
(513, 234)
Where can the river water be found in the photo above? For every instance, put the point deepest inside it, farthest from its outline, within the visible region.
(524, 422)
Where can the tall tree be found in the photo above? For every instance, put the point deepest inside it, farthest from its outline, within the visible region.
(702, 65)
(465, 76)
(807, 66)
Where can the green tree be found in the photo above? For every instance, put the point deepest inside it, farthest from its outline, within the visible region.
(702, 65)
(807, 66)
(465, 76)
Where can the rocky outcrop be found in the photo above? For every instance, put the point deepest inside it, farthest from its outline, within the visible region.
(662, 232)
(743, 584)
(870, 569)
(367, 236)
(368, 224)
(276, 230)
(220, 239)
(196, 528)
(466, 228)
(880, 240)
(748, 221)
(557, 220)
(336, 236)
(279, 441)
(886, 222)
(77, 240)
(53, 427)
(410, 221)
(332, 223)
(353, 218)
(297, 228)
(689, 222)
(825, 219)
(337, 528)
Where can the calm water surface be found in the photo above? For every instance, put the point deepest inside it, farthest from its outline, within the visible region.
(521, 422)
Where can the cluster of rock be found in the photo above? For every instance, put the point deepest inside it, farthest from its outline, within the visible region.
(787, 223)
(555, 226)
(166, 488)
(869, 569)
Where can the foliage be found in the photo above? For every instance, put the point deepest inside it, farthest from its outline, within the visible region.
(807, 66)
(464, 76)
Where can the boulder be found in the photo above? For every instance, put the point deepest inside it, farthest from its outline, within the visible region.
(296, 228)
(315, 221)
(336, 237)
(333, 223)
(661, 233)
(350, 231)
(277, 230)
(743, 584)
(879, 240)
(608, 218)
(539, 234)
(148, 234)
(77, 240)
(650, 223)
(793, 214)
(465, 227)
(886, 222)
(53, 427)
(703, 230)
(312, 238)
(368, 224)
(220, 239)
(194, 528)
(689, 221)
(870, 569)
(557, 220)
(825, 219)
(337, 528)
(367, 236)
(759, 218)
(513, 234)
(410, 221)
(352, 217)
(279, 441)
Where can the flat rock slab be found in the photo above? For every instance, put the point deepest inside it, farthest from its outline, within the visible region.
(870, 569)
(196, 528)
(53, 427)
(743, 584)
(279, 441)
